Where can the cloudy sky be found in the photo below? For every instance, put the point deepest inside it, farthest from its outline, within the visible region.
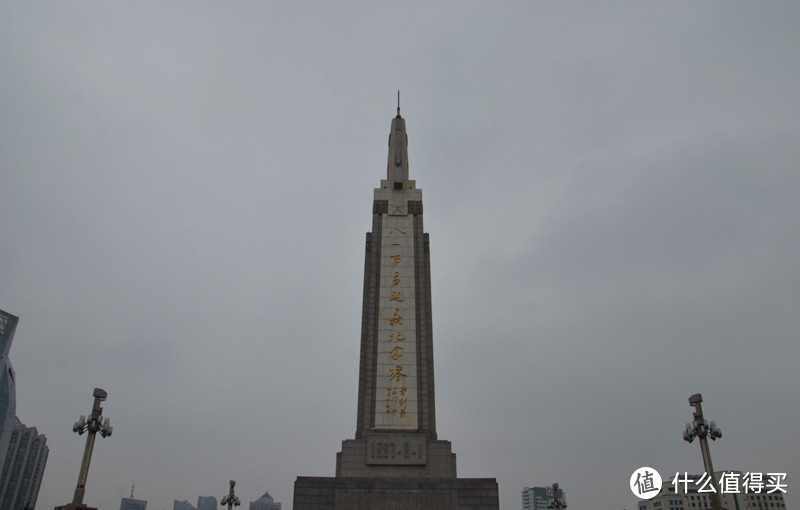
(610, 190)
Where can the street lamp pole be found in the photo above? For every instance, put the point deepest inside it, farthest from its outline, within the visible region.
(702, 429)
(230, 499)
(556, 503)
(93, 425)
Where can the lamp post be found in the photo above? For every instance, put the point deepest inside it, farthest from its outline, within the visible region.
(702, 429)
(93, 425)
(230, 499)
(556, 503)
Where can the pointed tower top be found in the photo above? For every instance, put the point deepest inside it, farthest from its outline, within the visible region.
(397, 161)
(397, 165)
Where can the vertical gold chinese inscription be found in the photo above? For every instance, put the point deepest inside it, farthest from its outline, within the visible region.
(396, 405)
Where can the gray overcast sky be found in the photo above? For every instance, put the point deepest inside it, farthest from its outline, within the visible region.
(610, 190)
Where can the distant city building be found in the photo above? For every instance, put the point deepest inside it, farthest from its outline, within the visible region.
(206, 503)
(182, 505)
(537, 498)
(692, 499)
(23, 467)
(8, 393)
(265, 502)
(133, 504)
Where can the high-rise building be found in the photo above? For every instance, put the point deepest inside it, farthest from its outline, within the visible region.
(132, 504)
(538, 498)
(8, 393)
(206, 503)
(265, 502)
(23, 467)
(738, 493)
(396, 458)
(182, 505)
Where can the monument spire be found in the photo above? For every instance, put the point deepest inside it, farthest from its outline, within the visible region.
(397, 164)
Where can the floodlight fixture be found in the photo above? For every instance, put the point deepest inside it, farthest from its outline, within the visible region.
(556, 502)
(230, 499)
(700, 428)
(91, 426)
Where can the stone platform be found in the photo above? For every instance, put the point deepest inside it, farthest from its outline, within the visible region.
(317, 493)
(396, 455)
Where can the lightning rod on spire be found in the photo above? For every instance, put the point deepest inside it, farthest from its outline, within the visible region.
(398, 102)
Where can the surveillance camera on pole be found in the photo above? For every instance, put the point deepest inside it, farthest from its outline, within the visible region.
(556, 503)
(230, 499)
(700, 428)
(92, 427)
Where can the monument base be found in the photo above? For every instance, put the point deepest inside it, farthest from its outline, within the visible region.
(317, 493)
(396, 455)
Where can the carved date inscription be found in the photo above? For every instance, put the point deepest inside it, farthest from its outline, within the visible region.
(397, 449)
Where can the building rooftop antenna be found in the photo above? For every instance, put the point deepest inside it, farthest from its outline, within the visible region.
(398, 102)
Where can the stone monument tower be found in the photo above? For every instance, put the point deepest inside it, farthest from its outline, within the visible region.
(396, 460)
